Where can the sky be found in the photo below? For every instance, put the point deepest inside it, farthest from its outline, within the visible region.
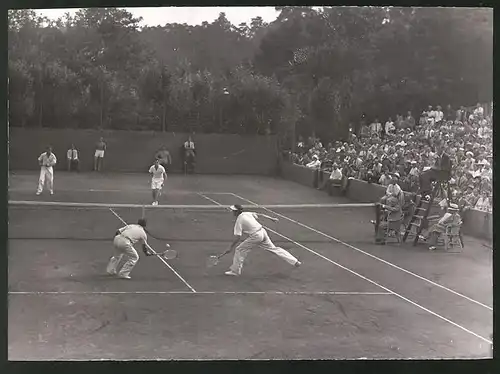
(190, 15)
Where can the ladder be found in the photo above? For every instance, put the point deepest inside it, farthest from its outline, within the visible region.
(419, 219)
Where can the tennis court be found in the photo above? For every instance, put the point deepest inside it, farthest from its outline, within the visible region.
(349, 299)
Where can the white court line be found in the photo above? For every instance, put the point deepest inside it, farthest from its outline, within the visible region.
(367, 254)
(373, 282)
(312, 293)
(162, 260)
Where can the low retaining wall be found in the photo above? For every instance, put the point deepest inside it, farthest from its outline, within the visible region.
(476, 223)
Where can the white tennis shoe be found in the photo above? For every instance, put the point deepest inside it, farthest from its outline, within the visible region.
(124, 276)
(230, 272)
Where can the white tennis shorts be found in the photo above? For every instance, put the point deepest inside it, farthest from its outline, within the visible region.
(99, 153)
(156, 184)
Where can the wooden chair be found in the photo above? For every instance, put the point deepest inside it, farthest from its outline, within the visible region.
(452, 238)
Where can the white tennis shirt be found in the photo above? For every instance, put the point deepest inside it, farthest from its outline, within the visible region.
(247, 224)
(48, 161)
(134, 233)
(157, 173)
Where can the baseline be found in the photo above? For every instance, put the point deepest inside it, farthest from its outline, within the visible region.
(312, 293)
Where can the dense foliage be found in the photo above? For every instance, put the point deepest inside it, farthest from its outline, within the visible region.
(311, 69)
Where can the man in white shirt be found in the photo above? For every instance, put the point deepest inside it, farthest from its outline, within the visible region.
(123, 243)
(159, 175)
(335, 179)
(72, 157)
(438, 114)
(47, 160)
(451, 217)
(389, 127)
(315, 163)
(256, 236)
(478, 111)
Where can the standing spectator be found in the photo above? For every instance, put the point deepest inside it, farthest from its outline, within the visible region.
(389, 127)
(301, 146)
(376, 127)
(431, 116)
(460, 115)
(72, 157)
(410, 121)
(46, 160)
(163, 155)
(449, 115)
(478, 111)
(99, 154)
(438, 115)
(365, 130)
(399, 122)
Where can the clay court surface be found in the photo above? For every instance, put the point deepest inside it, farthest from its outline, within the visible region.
(350, 299)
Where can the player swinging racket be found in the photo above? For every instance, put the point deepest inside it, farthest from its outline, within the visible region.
(158, 177)
(123, 243)
(247, 224)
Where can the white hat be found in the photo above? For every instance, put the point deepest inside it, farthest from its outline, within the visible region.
(453, 207)
(236, 207)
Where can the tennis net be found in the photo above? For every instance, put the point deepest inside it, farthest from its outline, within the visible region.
(35, 220)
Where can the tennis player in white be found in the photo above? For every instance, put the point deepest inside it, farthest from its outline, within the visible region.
(158, 177)
(247, 224)
(46, 160)
(123, 242)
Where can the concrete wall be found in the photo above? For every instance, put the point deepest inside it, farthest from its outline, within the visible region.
(133, 151)
(476, 223)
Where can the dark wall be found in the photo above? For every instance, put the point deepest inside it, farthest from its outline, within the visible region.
(133, 151)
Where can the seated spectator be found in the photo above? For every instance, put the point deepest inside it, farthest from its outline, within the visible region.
(315, 163)
(450, 218)
(72, 158)
(335, 179)
(384, 179)
(392, 223)
(483, 203)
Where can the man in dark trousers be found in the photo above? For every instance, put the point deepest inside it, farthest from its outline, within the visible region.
(441, 171)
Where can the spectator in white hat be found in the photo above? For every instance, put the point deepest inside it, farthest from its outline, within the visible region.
(451, 217)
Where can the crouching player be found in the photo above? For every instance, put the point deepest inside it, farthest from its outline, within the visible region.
(123, 243)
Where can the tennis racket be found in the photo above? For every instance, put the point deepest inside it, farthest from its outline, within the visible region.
(168, 254)
(214, 259)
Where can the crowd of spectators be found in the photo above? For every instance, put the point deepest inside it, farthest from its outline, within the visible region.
(403, 148)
